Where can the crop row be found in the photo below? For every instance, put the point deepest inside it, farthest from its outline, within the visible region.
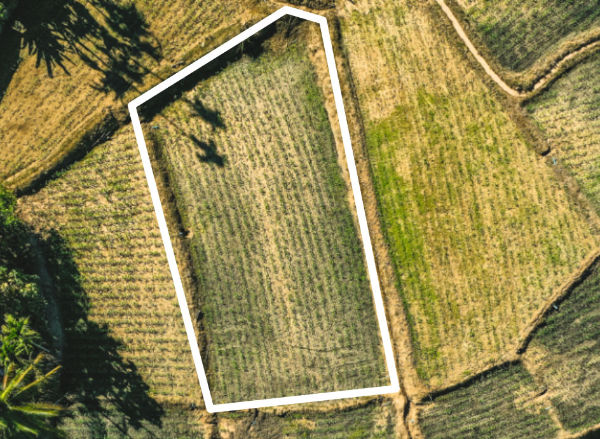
(566, 352)
(500, 404)
(569, 115)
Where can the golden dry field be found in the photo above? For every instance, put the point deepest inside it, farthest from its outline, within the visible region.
(78, 64)
(257, 180)
(480, 230)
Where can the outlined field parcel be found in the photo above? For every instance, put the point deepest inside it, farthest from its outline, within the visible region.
(286, 296)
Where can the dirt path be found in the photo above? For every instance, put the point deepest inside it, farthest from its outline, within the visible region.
(540, 84)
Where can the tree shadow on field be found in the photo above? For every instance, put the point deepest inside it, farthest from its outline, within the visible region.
(213, 117)
(10, 43)
(207, 152)
(108, 36)
(210, 154)
(104, 391)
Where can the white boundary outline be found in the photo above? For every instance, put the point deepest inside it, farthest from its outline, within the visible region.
(394, 386)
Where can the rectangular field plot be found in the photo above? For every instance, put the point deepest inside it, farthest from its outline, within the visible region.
(282, 296)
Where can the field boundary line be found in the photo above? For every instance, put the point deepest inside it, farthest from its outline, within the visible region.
(560, 65)
(394, 386)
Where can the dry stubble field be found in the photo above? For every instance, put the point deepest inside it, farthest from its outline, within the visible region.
(480, 230)
(281, 279)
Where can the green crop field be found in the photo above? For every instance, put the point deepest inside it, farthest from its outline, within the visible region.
(498, 405)
(375, 420)
(282, 283)
(519, 32)
(565, 352)
(125, 336)
(568, 113)
(480, 230)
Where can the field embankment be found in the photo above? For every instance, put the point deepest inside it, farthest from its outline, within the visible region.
(480, 229)
(374, 419)
(254, 169)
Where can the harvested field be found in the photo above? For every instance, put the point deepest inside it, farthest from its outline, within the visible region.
(81, 60)
(568, 113)
(126, 343)
(520, 32)
(285, 300)
(374, 420)
(501, 404)
(565, 354)
(480, 230)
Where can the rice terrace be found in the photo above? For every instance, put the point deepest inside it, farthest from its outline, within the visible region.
(299, 219)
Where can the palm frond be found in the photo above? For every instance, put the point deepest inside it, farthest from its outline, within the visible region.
(37, 381)
(40, 409)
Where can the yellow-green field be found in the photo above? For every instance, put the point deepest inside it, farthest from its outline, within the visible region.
(480, 230)
(568, 114)
(281, 279)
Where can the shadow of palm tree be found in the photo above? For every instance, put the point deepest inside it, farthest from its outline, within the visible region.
(209, 152)
(110, 37)
(105, 391)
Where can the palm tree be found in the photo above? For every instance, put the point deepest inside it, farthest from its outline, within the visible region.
(18, 340)
(20, 418)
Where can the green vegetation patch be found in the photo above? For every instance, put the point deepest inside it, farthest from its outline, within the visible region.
(497, 405)
(567, 349)
(569, 114)
(285, 301)
(518, 32)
